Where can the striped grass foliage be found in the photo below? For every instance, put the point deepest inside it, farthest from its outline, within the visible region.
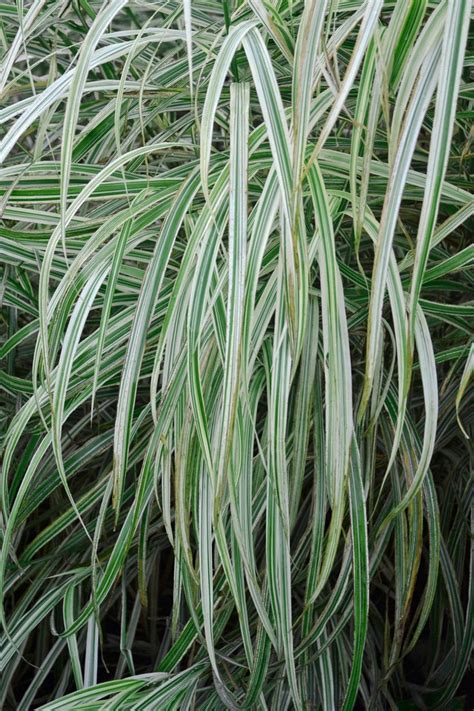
(236, 292)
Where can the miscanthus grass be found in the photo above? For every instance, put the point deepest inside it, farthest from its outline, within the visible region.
(236, 288)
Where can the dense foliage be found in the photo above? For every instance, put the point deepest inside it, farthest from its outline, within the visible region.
(236, 324)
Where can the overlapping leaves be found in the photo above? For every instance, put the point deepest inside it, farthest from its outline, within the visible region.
(236, 362)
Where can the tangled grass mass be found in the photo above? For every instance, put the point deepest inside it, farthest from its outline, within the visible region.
(236, 292)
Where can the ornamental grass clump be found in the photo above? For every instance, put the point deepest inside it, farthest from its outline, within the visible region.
(236, 351)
